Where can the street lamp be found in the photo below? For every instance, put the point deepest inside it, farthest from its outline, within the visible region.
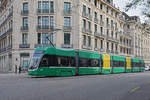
(54, 31)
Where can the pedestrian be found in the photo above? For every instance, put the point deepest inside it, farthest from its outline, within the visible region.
(16, 69)
(19, 69)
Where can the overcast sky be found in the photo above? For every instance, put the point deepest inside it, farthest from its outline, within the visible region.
(122, 3)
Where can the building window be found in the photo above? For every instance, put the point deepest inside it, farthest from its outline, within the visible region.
(84, 8)
(95, 28)
(39, 5)
(67, 7)
(89, 41)
(51, 6)
(51, 22)
(24, 38)
(108, 32)
(44, 38)
(101, 18)
(107, 45)
(95, 2)
(101, 44)
(89, 25)
(84, 23)
(112, 46)
(39, 20)
(67, 38)
(107, 21)
(39, 38)
(107, 10)
(45, 6)
(67, 21)
(25, 21)
(25, 6)
(84, 39)
(116, 47)
(101, 6)
(101, 30)
(45, 22)
(52, 37)
(89, 11)
(95, 43)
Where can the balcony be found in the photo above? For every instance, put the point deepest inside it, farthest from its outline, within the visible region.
(108, 26)
(9, 47)
(67, 12)
(101, 23)
(89, 31)
(67, 28)
(24, 45)
(45, 11)
(112, 27)
(101, 50)
(84, 14)
(84, 30)
(99, 35)
(96, 49)
(112, 51)
(6, 33)
(107, 51)
(89, 16)
(96, 20)
(116, 52)
(24, 28)
(67, 45)
(45, 27)
(24, 12)
(43, 45)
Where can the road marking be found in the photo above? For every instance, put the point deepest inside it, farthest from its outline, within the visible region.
(135, 89)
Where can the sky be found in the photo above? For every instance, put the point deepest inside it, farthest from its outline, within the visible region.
(122, 3)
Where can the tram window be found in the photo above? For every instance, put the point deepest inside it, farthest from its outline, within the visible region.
(65, 61)
(122, 64)
(44, 61)
(115, 63)
(52, 60)
(83, 62)
(94, 63)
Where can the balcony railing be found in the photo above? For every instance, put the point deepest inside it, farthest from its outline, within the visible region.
(89, 31)
(108, 25)
(45, 11)
(67, 28)
(67, 12)
(99, 35)
(89, 16)
(24, 45)
(24, 12)
(24, 28)
(84, 14)
(6, 33)
(95, 20)
(67, 45)
(84, 30)
(107, 51)
(45, 27)
(43, 45)
(101, 23)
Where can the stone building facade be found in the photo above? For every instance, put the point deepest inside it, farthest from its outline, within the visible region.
(90, 25)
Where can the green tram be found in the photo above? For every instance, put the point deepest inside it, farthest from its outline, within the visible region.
(51, 61)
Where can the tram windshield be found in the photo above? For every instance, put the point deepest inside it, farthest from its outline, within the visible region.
(35, 60)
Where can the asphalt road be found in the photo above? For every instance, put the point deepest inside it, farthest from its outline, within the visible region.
(132, 86)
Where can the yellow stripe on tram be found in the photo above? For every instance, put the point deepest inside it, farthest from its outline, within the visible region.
(128, 60)
(106, 61)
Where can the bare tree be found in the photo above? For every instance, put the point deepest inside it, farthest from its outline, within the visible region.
(136, 3)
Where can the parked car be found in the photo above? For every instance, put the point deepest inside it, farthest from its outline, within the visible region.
(147, 68)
